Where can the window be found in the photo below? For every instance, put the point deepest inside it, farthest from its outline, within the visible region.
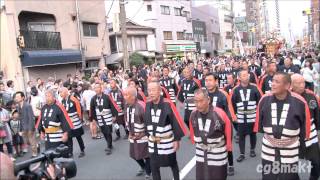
(189, 36)
(165, 10)
(177, 12)
(180, 36)
(187, 14)
(42, 26)
(140, 43)
(167, 35)
(90, 29)
(228, 35)
(92, 64)
(149, 7)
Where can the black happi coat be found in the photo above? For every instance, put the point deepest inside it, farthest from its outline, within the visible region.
(73, 107)
(136, 127)
(102, 109)
(163, 120)
(186, 91)
(282, 119)
(265, 83)
(244, 103)
(54, 116)
(211, 132)
(118, 98)
(171, 87)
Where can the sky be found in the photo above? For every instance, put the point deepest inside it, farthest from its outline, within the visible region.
(290, 11)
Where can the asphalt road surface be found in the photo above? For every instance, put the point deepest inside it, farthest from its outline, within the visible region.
(119, 166)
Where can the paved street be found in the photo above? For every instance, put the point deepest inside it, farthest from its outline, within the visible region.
(96, 165)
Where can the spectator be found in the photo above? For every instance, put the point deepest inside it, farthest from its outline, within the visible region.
(5, 134)
(27, 120)
(15, 127)
(10, 89)
(36, 102)
(87, 95)
(309, 74)
(5, 97)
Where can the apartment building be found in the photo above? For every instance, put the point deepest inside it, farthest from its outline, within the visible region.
(53, 38)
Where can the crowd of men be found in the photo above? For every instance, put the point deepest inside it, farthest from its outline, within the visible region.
(225, 99)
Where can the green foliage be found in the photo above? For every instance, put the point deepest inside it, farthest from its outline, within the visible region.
(136, 59)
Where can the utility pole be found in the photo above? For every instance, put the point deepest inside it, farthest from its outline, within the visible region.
(124, 36)
(232, 14)
(83, 59)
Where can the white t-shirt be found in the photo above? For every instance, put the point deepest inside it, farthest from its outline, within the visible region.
(87, 96)
(36, 103)
(309, 75)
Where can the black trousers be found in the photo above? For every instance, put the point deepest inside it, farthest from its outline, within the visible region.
(156, 171)
(242, 142)
(145, 164)
(187, 114)
(107, 133)
(9, 148)
(80, 142)
(125, 129)
(268, 174)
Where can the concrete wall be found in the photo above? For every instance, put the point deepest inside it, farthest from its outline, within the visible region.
(56, 71)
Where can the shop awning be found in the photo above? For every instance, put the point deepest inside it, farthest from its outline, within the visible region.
(50, 57)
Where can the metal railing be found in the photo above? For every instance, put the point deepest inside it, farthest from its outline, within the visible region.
(41, 40)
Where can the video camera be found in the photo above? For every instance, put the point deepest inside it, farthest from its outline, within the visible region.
(64, 167)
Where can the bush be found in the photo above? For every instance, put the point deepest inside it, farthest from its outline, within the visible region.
(136, 59)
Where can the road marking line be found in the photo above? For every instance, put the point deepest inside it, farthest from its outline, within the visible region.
(187, 168)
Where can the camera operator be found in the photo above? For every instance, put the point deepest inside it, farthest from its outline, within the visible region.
(6, 167)
(53, 122)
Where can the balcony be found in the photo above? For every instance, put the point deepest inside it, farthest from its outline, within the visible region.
(41, 40)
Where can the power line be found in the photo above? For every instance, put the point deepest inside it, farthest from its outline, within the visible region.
(105, 27)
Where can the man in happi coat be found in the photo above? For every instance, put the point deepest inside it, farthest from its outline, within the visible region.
(53, 123)
(210, 130)
(104, 110)
(245, 98)
(134, 111)
(252, 76)
(284, 119)
(117, 95)
(266, 80)
(186, 92)
(219, 98)
(73, 108)
(222, 73)
(169, 84)
(312, 145)
(165, 129)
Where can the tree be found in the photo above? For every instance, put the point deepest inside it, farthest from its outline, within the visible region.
(136, 59)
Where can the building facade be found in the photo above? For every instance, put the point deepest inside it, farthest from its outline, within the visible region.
(206, 28)
(315, 10)
(140, 40)
(253, 21)
(49, 35)
(170, 19)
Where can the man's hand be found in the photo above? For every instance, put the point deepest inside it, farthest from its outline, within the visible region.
(176, 145)
(42, 135)
(114, 119)
(64, 137)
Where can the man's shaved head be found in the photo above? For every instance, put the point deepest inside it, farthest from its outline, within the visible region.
(131, 91)
(64, 92)
(130, 95)
(297, 83)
